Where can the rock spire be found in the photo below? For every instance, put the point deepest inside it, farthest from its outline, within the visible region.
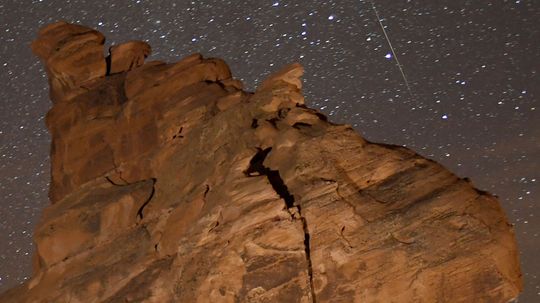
(170, 183)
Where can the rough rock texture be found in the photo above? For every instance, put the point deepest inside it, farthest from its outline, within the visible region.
(172, 184)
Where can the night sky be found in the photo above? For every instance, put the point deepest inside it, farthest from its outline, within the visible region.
(466, 92)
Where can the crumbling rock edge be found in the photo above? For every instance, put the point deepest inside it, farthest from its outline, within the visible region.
(170, 183)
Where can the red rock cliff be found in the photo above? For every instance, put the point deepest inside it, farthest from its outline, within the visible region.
(172, 184)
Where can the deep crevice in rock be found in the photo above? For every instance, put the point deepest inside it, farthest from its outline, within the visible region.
(322, 117)
(344, 238)
(114, 183)
(140, 214)
(307, 250)
(108, 61)
(206, 190)
(301, 125)
(215, 82)
(257, 168)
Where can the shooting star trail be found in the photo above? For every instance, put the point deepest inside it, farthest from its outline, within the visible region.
(392, 49)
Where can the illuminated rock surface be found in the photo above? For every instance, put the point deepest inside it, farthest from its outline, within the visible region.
(172, 184)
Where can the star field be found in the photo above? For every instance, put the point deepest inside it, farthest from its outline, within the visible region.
(465, 92)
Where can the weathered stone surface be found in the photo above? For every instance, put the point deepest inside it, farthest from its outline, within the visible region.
(73, 57)
(127, 56)
(172, 184)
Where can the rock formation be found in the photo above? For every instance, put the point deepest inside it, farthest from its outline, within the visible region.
(172, 184)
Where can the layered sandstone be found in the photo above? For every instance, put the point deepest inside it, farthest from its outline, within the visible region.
(172, 184)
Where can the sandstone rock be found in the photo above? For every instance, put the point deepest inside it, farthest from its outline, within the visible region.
(73, 57)
(172, 184)
(127, 56)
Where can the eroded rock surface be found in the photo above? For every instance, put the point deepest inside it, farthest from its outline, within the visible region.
(172, 184)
